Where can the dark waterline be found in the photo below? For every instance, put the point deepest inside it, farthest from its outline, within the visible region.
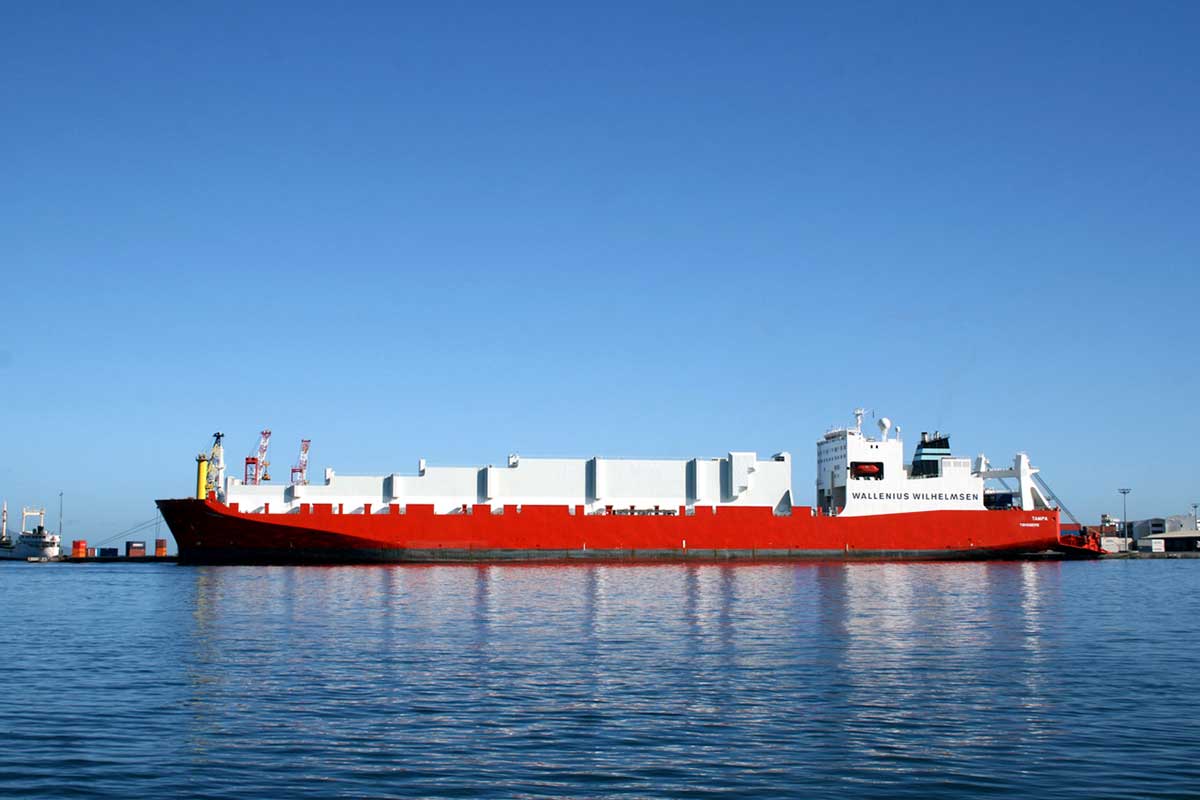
(805, 680)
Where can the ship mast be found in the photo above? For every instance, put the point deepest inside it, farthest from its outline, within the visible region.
(26, 513)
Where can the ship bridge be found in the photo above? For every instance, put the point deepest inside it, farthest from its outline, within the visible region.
(860, 475)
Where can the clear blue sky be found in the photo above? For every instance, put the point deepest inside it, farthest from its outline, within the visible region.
(454, 231)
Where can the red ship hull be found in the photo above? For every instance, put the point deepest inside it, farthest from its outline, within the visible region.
(209, 532)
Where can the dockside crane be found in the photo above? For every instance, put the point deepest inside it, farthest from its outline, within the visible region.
(257, 464)
(300, 470)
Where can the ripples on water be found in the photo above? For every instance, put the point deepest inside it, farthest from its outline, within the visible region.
(807, 680)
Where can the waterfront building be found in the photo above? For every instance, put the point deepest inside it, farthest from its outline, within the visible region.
(1174, 534)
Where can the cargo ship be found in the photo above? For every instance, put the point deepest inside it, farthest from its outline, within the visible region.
(869, 504)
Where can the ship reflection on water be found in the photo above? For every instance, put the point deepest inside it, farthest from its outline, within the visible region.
(815, 679)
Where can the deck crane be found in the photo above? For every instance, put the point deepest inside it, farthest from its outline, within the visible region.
(216, 466)
(300, 470)
(257, 464)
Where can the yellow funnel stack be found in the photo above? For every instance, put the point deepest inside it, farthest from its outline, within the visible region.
(201, 476)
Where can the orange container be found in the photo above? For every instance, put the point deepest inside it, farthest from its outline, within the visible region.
(79, 548)
(160, 548)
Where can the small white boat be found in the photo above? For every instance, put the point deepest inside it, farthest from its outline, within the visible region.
(37, 544)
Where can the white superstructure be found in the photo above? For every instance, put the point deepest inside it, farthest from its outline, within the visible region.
(596, 484)
(858, 475)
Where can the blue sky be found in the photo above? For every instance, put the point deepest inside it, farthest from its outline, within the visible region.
(454, 231)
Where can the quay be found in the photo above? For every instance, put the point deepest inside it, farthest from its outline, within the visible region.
(118, 559)
(1148, 554)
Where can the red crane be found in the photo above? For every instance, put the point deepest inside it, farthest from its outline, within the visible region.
(300, 470)
(257, 464)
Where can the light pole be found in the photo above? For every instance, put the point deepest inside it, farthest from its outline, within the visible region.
(1195, 519)
(1125, 514)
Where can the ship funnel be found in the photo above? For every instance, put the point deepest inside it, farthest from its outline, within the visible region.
(885, 425)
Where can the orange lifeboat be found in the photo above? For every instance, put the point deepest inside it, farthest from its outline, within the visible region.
(865, 470)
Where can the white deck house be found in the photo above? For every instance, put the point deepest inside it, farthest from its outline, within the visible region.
(599, 485)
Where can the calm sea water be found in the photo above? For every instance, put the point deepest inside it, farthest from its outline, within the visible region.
(809, 680)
